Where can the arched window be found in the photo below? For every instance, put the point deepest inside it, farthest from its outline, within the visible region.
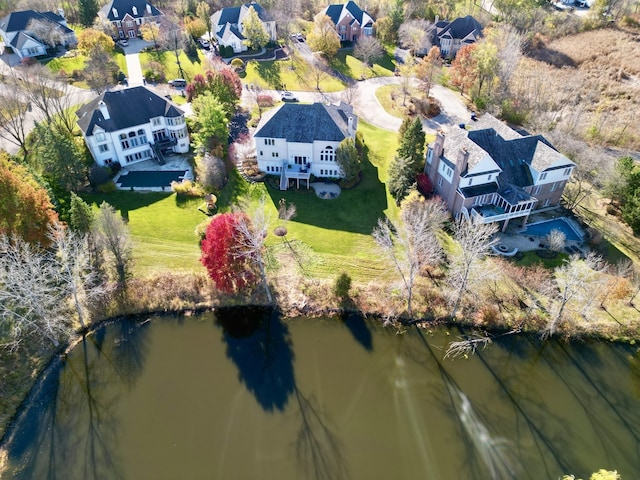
(328, 154)
(132, 134)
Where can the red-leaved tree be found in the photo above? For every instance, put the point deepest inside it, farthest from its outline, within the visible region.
(224, 84)
(229, 269)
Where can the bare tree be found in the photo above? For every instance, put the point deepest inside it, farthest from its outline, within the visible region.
(350, 94)
(417, 36)
(43, 291)
(13, 113)
(556, 240)
(319, 71)
(112, 234)
(411, 244)
(251, 232)
(46, 31)
(406, 74)
(101, 71)
(509, 43)
(475, 240)
(618, 282)
(173, 38)
(572, 288)
(285, 13)
(211, 171)
(369, 50)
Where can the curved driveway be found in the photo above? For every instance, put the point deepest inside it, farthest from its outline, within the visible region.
(367, 106)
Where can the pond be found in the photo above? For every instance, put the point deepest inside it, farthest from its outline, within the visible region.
(246, 395)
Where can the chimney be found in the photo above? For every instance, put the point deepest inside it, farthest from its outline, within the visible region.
(61, 12)
(463, 161)
(134, 9)
(148, 9)
(104, 110)
(350, 127)
(437, 19)
(438, 145)
(115, 12)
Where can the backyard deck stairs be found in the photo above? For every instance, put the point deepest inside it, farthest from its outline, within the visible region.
(284, 180)
(158, 153)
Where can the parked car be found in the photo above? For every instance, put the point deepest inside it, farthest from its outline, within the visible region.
(178, 83)
(123, 43)
(288, 97)
(204, 43)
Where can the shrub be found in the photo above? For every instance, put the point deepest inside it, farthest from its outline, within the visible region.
(187, 188)
(211, 172)
(342, 286)
(99, 175)
(238, 64)
(107, 187)
(265, 100)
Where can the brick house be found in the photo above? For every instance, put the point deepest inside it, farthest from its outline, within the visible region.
(126, 16)
(494, 174)
(21, 32)
(297, 140)
(132, 125)
(351, 22)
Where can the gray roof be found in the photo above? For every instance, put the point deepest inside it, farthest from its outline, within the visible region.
(461, 27)
(335, 11)
(19, 21)
(514, 154)
(124, 7)
(304, 123)
(232, 14)
(127, 108)
(21, 39)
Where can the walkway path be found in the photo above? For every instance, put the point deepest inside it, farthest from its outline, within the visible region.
(134, 70)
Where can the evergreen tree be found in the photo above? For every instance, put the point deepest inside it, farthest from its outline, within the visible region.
(412, 144)
(348, 158)
(401, 178)
(87, 11)
(80, 215)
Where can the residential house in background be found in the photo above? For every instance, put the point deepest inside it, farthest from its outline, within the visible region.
(352, 23)
(228, 25)
(297, 140)
(132, 125)
(452, 36)
(495, 174)
(29, 33)
(126, 16)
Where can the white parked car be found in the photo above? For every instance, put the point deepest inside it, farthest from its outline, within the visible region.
(123, 42)
(288, 97)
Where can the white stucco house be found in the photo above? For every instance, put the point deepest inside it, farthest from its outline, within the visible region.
(297, 140)
(227, 24)
(29, 33)
(132, 125)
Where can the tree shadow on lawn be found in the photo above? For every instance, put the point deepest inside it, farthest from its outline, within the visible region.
(340, 65)
(125, 201)
(270, 73)
(355, 210)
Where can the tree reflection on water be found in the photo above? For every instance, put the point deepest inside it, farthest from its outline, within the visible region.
(68, 428)
(260, 346)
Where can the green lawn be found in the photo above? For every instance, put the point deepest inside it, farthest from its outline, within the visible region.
(190, 66)
(348, 65)
(335, 235)
(295, 73)
(390, 98)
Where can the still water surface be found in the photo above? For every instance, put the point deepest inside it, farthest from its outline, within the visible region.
(242, 396)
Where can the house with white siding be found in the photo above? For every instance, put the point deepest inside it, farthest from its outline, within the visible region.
(494, 174)
(29, 33)
(298, 140)
(132, 125)
(229, 29)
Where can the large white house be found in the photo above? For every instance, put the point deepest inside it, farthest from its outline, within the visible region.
(132, 125)
(297, 140)
(29, 33)
(229, 29)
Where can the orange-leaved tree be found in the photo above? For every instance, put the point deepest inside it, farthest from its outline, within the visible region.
(26, 210)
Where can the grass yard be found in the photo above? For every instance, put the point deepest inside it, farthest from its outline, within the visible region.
(348, 65)
(190, 66)
(295, 73)
(162, 230)
(390, 97)
(335, 235)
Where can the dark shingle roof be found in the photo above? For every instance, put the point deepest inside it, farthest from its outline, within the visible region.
(305, 123)
(126, 6)
(232, 14)
(335, 11)
(18, 21)
(127, 108)
(461, 27)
